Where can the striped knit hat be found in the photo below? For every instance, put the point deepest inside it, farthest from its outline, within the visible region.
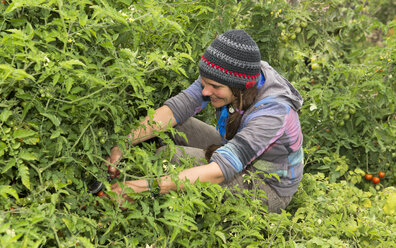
(232, 59)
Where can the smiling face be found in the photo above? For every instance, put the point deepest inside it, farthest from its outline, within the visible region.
(219, 94)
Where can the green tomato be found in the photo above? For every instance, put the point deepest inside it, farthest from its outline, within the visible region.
(48, 95)
(315, 66)
(281, 25)
(29, 199)
(24, 104)
(352, 111)
(303, 24)
(341, 123)
(103, 140)
(10, 123)
(298, 30)
(293, 36)
(346, 117)
(100, 133)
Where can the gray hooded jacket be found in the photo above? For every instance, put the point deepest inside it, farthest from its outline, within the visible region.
(269, 137)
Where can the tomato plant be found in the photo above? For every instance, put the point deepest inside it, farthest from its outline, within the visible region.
(77, 76)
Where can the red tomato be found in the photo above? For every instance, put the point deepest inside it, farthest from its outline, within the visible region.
(101, 193)
(381, 174)
(376, 180)
(368, 177)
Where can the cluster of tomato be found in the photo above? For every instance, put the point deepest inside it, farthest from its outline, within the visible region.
(290, 31)
(375, 180)
(102, 136)
(342, 116)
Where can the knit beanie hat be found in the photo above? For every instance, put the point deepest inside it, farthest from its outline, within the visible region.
(232, 59)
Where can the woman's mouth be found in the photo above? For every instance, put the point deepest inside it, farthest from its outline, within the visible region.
(215, 99)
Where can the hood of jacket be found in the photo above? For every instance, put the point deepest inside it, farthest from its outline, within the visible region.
(277, 86)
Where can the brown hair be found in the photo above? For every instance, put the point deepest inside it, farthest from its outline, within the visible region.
(243, 100)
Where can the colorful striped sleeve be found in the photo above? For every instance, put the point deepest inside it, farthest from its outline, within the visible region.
(188, 103)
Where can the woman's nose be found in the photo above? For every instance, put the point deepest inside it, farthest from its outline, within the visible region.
(206, 91)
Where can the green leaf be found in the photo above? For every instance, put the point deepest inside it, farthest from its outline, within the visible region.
(6, 189)
(145, 207)
(17, 74)
(107, 45)
(110, 228)
(175, 232)
(53, 118)
(85, 242)
(5, 114)
(23, 133)
(13, 6)
(25, 155)
(3, 146)
(70, 63)
(390, 205)
(11, 163)
(68, 83)
(24, 174)
(83, 20)
(55, 134)
(126, 2)
(69, 224)
(222, 236)
(55, 79)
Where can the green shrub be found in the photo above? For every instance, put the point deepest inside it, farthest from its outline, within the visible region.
(77, 76)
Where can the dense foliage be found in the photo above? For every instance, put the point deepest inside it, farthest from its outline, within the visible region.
(77, 76)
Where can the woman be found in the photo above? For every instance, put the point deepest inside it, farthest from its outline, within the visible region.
(258, 127)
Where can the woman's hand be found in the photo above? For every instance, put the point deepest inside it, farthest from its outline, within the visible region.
(137, 186)
(113, 160)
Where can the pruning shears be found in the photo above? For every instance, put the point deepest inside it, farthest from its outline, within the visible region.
(96, 186)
